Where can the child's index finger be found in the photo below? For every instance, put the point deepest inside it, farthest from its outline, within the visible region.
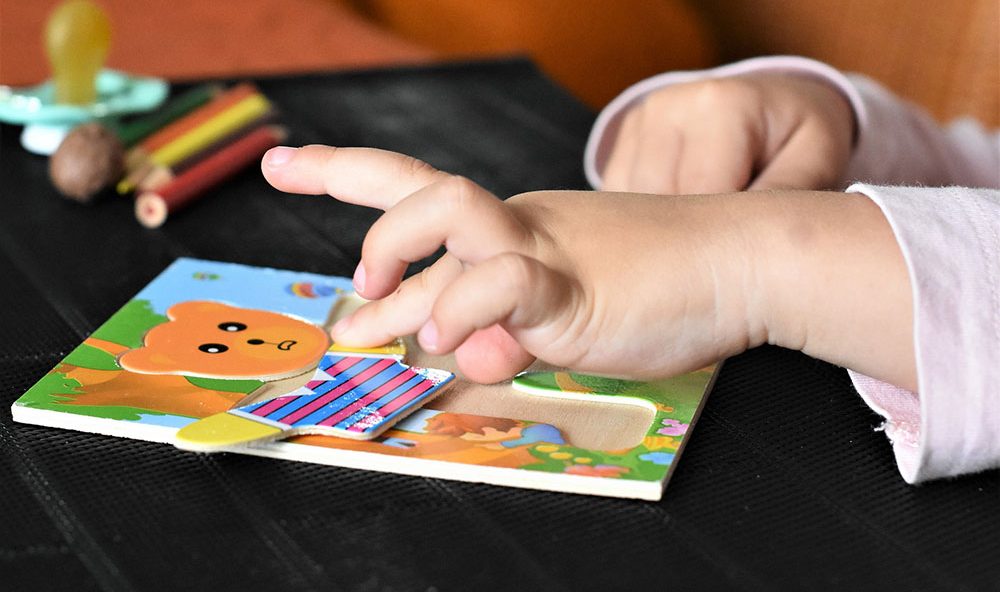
(362, 176)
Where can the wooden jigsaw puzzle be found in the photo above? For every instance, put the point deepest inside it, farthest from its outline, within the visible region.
(224, 357)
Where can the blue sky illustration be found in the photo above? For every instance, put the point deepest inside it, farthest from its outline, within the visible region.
(244, 286)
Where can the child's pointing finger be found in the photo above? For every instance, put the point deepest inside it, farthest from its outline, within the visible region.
(363, 176)
(524, 296)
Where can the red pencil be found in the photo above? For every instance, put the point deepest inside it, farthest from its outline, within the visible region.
(152, 207)
(157, 176)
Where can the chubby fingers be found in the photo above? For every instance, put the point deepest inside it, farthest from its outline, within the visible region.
(532, 302)
(401, 313)
(719, 156)
(616, 175)
(488, 355)
(453, 211)
(676, 143)
(362, 176)
(807, 160)
(491, 355)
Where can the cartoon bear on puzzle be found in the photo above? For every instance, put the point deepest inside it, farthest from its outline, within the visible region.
(215, 340)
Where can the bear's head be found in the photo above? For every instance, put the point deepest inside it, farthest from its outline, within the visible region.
(215, 340)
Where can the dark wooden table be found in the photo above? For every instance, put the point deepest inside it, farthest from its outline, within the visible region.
(784, 485)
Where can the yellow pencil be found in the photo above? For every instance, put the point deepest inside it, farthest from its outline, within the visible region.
(226, 122)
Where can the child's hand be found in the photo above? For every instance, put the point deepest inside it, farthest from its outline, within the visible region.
(757, 131)
(579, 279)
(637, 286)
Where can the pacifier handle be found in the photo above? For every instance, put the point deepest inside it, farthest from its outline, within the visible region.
(77, 38)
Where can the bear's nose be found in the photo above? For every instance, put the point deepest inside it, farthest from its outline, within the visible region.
(255, 341)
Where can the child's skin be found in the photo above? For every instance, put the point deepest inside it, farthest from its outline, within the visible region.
(756, 131)
(632, 285)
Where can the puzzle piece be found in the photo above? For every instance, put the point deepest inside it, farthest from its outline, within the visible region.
(396, 349)
(209, 339)
(351, 396)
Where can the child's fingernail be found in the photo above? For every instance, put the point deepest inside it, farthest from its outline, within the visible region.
(341, 326)
(276, 157)
(359, 278)
(428, 336)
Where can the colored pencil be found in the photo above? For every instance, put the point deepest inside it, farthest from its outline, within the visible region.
(153, 207)
(132, 132)
(222, 101)
(159, 175)
(239, 115)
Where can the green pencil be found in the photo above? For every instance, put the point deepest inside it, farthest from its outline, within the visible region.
(133, 131)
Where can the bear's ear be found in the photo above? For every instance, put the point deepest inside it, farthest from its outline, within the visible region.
(196, 308)
(147, 361)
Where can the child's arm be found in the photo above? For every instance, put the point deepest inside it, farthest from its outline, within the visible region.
(948, 235)
(643, 286)
(778, 122)
(623, 284)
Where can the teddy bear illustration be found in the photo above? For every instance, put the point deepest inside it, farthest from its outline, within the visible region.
(215, 340)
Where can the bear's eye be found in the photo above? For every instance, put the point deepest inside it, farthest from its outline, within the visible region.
(232, 327)
(212, 348)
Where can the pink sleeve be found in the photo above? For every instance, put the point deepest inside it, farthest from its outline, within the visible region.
(950, 238)
(897, 143)
(900, 144)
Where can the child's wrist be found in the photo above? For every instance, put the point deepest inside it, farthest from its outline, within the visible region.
(833, 282)
(782, 230)
(762, 265)
(782, 277)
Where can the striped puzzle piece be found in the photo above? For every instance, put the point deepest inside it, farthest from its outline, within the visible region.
(350, 396)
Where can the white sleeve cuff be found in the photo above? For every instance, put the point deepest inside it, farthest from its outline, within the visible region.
(949, 239)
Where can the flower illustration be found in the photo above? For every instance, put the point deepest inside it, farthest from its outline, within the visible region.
(660, 442)
(597, 470)
(672, 427)
(658, 458)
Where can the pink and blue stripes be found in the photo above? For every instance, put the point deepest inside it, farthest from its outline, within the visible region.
(352, 393)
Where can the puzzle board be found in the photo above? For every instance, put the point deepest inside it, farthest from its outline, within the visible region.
(521, 434)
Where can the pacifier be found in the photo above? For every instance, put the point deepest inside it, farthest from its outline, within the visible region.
(77, 38)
